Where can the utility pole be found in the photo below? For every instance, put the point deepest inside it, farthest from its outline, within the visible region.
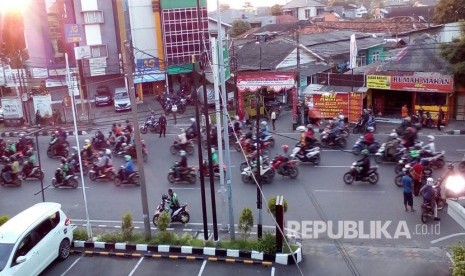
(128, 69)
(302, 107)
(259, 170)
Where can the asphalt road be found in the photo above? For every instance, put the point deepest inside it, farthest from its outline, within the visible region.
(317, 194)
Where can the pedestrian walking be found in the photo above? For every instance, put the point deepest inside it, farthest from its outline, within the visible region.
(441, 117)
(407, 184)
(162, 123)
(404, 111)
(38, 117)
(273, 119)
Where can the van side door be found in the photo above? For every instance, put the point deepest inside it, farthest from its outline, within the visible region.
(51, 238)
(27, 248)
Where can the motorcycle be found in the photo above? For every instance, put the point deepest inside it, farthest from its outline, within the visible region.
(133, 178)
(291, 169)
(180, 215)
(360, 145)
(205, 170)
(106, 174)
(251, 158)
(382, 154)
(68, 181)
(310, 155)
(241, 144)
(426, 208)
(53, 153)
(269, 139)
(131, 151)
(437, 160)
(153, 127)
(266, 174)
(35, 173)
(338, 142)
(176, 147)
(187, 175)
(99, 145)
(361, 126)
(353, 175)
(14, 181)
(75, 166)
(427, 172)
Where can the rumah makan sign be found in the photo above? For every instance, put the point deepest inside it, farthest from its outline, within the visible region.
(440, 83)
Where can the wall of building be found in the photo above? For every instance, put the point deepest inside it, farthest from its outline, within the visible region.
(372, 51)
(301, 13)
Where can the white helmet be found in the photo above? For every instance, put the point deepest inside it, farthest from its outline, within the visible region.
(192, 120)
(431, 138)
(430, 181)
(108, 151)
(301, 128)
(182, 153)
(370, 129)
(263, 123)
(393, 135)
(181, 130)
(87, 141)
(341, 117)
(236, 117)
(213, 150)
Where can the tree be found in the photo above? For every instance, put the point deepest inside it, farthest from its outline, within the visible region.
(454, 52)
(246, 221)
(447, 11)
(239, 27)
(224, 7)
(276, 10)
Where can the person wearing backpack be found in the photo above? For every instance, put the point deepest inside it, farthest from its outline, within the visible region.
(429, 196)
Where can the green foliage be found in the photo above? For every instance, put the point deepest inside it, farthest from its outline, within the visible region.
(246, 221)
(209, 244)
(240, 244)
(163, 221)
(268, 243)
(127, 227)
(276, 10)
(272, 205)
(166, 237)
(111, 237)
(447, 11)
(458, 260)
(224, 7)
(3, 219)
(80, 235)
(239, 27)
(454, 52)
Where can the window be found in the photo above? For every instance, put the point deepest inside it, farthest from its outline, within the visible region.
(362, 59)
(307, 13)
(5, 251)
(93, 17)
(375, 56)
(98, 51)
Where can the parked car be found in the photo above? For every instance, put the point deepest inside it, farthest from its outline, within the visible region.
(34, 238)
(122, 101)
(103, 96)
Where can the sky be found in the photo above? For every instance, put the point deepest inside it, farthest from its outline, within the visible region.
(237, 4)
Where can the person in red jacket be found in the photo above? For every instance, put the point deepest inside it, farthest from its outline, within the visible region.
(369, 137)
(417, 172)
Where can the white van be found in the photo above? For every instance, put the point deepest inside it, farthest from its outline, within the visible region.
(121, 99)
(34, 238)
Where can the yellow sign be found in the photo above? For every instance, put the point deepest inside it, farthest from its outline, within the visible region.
(379, 82)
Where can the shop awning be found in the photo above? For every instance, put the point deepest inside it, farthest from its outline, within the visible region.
(319, 89)
(149, 76)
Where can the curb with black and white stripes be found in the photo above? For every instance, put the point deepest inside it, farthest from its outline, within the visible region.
(41, 133)
(170, 251)
(457, 132)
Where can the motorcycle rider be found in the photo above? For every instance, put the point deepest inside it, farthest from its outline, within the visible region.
(392, 144)
(340, 120)
(334, 131)
(248, 142)
(237, 124)
(369, 137)
(214, 158)
(65, 168)
(22, 142)
(128, 167)
(264, 131)
(87, 151)
(429, 196)
(99, 137)
(120, 140)
(104, 162)
(128, 127)
(409, 137)
(7, 170)
(363, 165)
(284, 157)
(11, 149)
(181, 166)
(182, 138)
(191, 131)
(118, 130)
(430, 148)
(29, 165)
(174, 201)
(152, 117)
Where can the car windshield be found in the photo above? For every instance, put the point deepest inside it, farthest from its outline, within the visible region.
(121, 95)
(5, 252)
(102, 93)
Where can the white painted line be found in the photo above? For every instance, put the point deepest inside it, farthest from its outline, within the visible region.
(447, 237)
(346, 191)
(272, 271)
(332, 166)
(460, 149)
(449, 256)
(135, 267)
(287, 133)
(331, 150)
(71, 266)
(202, 268)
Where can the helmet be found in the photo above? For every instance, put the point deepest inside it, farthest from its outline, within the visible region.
(414, 154)
(408, 119)
(108, 151)
(170, 191)
(182, 153)
(192, 120)
(365, 152)
(213, 150)
(127, 157)
(340, 117)
(63, 160)
(331, 122)
(181, 130)
(300, 128)
(407, 167)
(21, 135)
(370, 129)
(152, 112)
(450, 166)
(430, 181)
(236, 118)
(431, 138)
(74, 148)
(164, 197)
(285, 147)
(393, 135)
(87, 141)
(263, 123)
(56, 132)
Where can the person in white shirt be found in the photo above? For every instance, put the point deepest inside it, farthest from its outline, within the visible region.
(273, 119)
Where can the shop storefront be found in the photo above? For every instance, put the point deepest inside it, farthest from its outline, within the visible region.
(272, 87)
(387, 94)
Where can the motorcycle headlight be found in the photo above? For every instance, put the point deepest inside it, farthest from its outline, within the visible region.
(401, 161)
(455, 183)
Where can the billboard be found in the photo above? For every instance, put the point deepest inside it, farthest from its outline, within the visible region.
(433, 83)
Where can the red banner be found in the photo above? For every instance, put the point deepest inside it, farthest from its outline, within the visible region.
(443, 84)
(329, 105)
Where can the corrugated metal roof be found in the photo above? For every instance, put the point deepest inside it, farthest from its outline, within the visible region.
(302, 3)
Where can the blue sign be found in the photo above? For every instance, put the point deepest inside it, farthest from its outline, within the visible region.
(72, 33)
(147, 64)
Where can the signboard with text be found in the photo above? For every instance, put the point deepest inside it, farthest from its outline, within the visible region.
(72, 33)
(275, 81)
(328, 105)
(378, 82)
(439, 83)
